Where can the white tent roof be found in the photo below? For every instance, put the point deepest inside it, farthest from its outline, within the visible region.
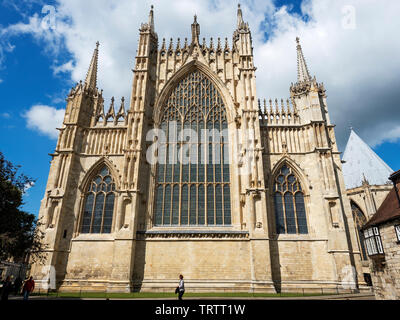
(361, 161)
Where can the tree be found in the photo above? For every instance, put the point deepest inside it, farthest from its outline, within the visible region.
(19, 230)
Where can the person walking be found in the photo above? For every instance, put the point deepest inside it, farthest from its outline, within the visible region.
(17, 285)
(181, 287)
(29, 286)
(7, 287)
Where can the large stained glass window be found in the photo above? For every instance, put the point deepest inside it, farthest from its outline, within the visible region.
(99, 204)
(290, 212)
(193, 180)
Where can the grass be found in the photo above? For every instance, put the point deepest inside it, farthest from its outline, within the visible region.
(160, 295)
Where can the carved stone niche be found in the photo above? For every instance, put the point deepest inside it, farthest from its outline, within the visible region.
(52, 214)
(333, 210)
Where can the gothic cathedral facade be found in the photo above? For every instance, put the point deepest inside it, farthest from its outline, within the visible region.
(271, 215)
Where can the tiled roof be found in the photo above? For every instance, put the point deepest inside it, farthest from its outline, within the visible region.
(361, 162)
(390, 208)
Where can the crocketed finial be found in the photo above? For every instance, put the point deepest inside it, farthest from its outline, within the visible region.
(302, 71)
(195, 31)
(240, 21)
(151, 18)
(91, 76)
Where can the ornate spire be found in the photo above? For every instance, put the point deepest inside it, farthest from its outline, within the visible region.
(195, 31)
(226, 45)
(241, 25)
(185, 46)
(149, 26)
(219, 47)
(121, 113)
(91, 76)
(204, 45)
(151, 19)
(302, 71)
(111, 111)
(240, 21)
(100, 111)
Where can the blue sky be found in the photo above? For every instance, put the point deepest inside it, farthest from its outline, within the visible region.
(38, 67)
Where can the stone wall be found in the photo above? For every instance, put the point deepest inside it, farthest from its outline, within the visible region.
(248, 255)
(369, 205)
(385, 271)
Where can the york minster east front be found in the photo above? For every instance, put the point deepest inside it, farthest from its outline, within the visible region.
(198, 177)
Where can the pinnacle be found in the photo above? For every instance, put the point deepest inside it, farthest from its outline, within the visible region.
(91, 76)
(195, 31)
(303, 74)
(240, 21)
(151, 18)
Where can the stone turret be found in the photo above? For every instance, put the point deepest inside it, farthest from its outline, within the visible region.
(307, 93)
(242, 36)
(83, 99)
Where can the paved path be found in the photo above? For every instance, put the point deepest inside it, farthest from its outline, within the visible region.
(358, 296)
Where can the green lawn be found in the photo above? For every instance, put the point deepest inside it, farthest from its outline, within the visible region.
(154, 295)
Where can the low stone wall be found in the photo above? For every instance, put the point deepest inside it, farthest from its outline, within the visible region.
(386, 269)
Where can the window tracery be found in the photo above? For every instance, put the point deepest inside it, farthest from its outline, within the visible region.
(98, 207)
(290, 212)
(193, 180)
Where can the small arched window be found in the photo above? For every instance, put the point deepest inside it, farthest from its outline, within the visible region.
(99, 204)
(360, 221)
(290, 212)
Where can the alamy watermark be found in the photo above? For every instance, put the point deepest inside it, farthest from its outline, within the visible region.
(206, 146)
(349, 17)
(349, 278)
(49, 281)
(49, 20)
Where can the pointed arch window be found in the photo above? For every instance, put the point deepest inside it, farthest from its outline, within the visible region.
(290, 212)
(360, 221)
(98, 207)
(193, 180)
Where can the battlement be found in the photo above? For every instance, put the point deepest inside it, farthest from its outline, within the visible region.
(272, 113)
(210, 49)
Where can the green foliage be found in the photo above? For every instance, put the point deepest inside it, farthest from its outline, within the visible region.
(19, 234)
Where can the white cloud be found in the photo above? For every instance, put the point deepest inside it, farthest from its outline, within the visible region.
(359, 66)
(28, 186)
(5, 115)
(45, 119)
(64, 68)
(1, 80)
